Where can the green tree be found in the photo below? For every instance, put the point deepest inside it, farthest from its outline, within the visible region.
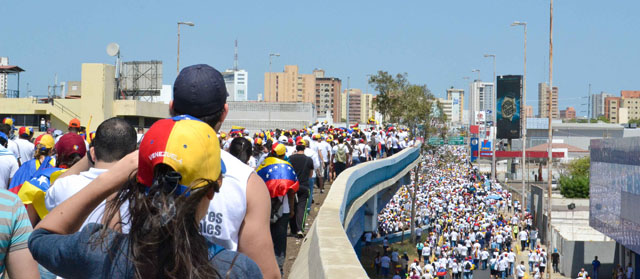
(390, 90)
(576, 183)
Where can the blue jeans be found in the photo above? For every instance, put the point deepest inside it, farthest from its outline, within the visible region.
(467, 275)
(484, 264)
(533, 243)
(503, 274)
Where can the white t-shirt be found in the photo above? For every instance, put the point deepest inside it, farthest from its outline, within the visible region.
(13, 147)
(325, 149)
(227, 210)
(8, 167)
(314, 157)
(26, 149)
(385, 261)
(64, 188)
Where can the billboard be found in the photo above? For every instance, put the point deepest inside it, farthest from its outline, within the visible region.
(474, 149)
(508, 106)
(480, 117)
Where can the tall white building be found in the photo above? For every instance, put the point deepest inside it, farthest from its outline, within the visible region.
(597, 104)
(447, 108)
(237, 84)
(4, 61)
(481, 98)
(456, 96)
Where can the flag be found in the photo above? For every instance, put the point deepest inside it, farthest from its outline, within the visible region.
(33, 191)
(279, 176)
(26, 171)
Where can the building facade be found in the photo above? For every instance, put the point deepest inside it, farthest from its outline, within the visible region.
(366, 108)
(597, 104)
(289, 86)
(456, 96)
(237, 83)
(355, 105)
(328, 96)
(611, 109)
(543, 101)
(528, 111)
(569, 113)
(447, 108)
(481, 98)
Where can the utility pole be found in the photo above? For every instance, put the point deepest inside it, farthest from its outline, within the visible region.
(523, 116)
(550, 159)
(265, 97)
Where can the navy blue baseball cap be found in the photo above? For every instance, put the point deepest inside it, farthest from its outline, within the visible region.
(199, 90)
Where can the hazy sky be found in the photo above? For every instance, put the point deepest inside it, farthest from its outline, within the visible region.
(436, 42)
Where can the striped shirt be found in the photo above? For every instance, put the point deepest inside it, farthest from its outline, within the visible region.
(15, 227)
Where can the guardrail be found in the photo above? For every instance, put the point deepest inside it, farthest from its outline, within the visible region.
(326, 251)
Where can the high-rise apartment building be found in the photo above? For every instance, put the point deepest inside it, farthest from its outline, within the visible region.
(354, 103)
(528, 111)
(447, 108)
(597, 104)
(289, 86)
(4, 61)
(481, 98)
(456, 96)
(328, 95)
(631, 102)
(236, 82)
(611, 109)
(366, 107)
(543, 101)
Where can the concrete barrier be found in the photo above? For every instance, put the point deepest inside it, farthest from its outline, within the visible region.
(327, 251)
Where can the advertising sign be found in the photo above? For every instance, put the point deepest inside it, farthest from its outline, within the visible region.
(480, 117)
(508, 106)
(474, 148)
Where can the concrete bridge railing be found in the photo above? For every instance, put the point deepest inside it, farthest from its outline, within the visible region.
(327, 251)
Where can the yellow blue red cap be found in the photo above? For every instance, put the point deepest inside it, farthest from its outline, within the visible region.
(187, 145)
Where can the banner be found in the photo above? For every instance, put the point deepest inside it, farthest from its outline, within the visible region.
(485, 148)
(509, 95)
(474, 149)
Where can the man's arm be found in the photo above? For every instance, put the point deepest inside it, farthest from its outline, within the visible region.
(80, 166)
(21, 265)
(254, 239)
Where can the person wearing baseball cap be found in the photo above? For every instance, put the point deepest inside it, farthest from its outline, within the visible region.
(242, 209)
(179, 170)
(70, 148)
(8, 162)
(74, 126)
(24, 145)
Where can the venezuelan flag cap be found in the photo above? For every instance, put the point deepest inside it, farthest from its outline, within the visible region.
(279, 148)
(46, 140)
(184, 143)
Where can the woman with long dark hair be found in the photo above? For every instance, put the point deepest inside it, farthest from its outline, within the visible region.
(178, 171)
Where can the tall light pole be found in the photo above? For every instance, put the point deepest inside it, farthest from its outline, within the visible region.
(270, 56)
(189, 23)
(476, 71)
(550, 136)
(493, 118)
(347, 102)
(523, 116)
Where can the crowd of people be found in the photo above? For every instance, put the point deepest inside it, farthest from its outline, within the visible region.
(182, 199)
(464, 223)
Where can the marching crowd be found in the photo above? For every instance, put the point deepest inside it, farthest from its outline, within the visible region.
(181, 200)
(464, 223)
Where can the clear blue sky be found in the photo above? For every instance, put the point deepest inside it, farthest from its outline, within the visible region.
(436, 42)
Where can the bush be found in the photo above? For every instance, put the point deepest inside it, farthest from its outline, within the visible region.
(576, 186)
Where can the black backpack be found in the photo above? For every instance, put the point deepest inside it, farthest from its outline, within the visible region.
(276, 203)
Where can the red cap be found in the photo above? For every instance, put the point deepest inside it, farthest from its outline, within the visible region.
(74, 123)
(290, 140)
(23, 131)
(69, 144)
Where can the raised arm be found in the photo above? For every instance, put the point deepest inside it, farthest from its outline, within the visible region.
(255, 235)
(67, 218)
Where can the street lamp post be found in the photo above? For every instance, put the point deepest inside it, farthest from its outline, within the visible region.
(523, 109)
(189, 23)
(493, 114)
(550, 176)
(270, 56)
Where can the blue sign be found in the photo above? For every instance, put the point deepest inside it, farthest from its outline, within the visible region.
(474, 149)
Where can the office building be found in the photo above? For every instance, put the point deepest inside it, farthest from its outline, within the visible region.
(328, 96)
(237, 82)
(569, 113)
(543, 101)
(597, 104)
(289, 86)
(4, 61)
(481, 98)
(456, 96)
